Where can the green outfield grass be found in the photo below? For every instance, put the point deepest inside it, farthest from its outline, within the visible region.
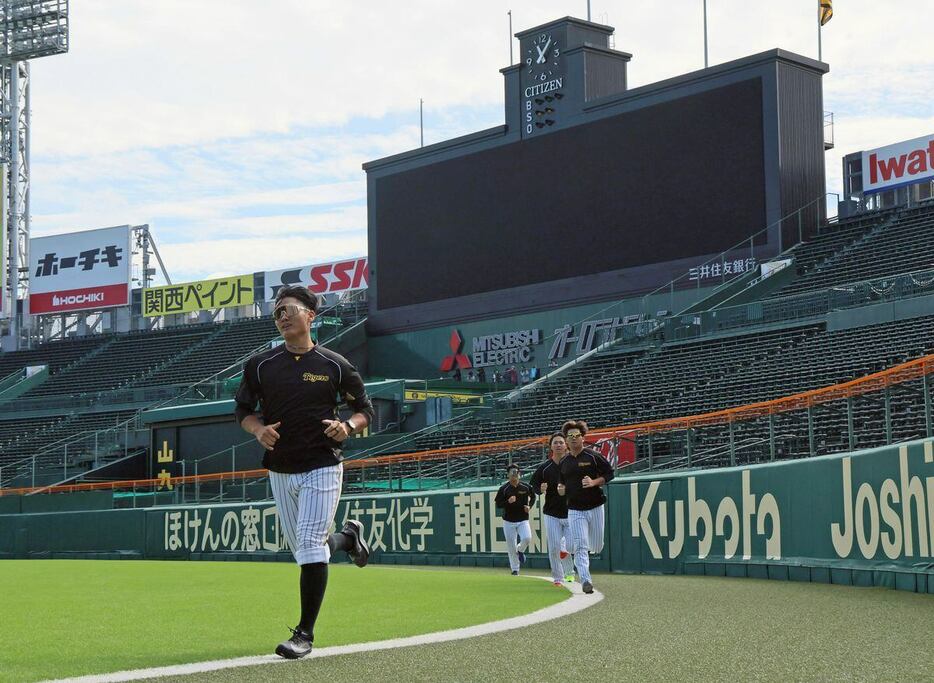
(63, 618)
(666, 629)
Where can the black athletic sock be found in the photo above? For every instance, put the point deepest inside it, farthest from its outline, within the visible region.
(313, 582)
(340, 541)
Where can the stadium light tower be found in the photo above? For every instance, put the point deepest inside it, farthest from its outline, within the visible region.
(29, 29)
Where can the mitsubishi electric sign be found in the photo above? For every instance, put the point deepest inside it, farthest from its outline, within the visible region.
(508, 348)
(80, 270)
(903, 163)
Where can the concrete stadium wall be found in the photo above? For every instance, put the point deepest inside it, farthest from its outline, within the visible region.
(865, 518)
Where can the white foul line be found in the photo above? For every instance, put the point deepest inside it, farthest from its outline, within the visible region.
(577, 602)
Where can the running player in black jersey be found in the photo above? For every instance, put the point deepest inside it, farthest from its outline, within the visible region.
(299, 387)
(584, 473)
(545, 481)
(515, 498)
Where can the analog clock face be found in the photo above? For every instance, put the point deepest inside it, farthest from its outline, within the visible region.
(541, 59)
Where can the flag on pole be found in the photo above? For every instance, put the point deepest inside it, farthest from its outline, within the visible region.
(826, 11)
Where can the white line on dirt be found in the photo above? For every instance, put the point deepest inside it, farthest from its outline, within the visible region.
(577, 602)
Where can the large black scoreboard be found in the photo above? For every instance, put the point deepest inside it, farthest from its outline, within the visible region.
(582, 199)
(637, 188)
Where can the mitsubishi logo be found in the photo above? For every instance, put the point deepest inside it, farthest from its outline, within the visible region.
(456, 357)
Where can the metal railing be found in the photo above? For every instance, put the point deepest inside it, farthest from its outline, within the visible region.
(630, 323)
(746, 249)
(883, 408)
(795, 307)
(784, 309)
(213, 387)
(408, 439)
(116, 397)
(619, 325)
(780, 309)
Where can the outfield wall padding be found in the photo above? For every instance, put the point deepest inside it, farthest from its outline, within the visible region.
(80, 500)
(57, 502)
(440, 527)
(865, 518)
(450, 528)
(834, 519)
(42, 534)
(10, 505)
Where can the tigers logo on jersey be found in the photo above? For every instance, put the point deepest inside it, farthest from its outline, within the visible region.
(311, 377)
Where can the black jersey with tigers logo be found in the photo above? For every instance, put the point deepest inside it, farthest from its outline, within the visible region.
(300, 390)
(573, 469)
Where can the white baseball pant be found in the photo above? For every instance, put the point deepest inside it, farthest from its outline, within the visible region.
(587, 530)
(511, 530)
(559, 538)
(306, 503)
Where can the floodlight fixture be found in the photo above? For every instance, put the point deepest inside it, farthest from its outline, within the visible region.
(33, 28)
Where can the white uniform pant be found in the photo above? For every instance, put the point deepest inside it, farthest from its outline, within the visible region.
(587, 530)
(559, 538)
(306, 503)
(512, 530)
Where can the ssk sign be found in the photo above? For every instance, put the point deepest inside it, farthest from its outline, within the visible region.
(80, 270)
(324, 278)
(899, 164)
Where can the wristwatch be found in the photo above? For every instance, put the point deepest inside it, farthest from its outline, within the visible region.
(350, 425)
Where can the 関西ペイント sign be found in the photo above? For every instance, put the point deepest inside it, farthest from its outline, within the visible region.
(203, 295)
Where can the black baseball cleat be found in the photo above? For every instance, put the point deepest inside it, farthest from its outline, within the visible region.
(588, 587)
(360, 553)
(295, 647)
(521, 557)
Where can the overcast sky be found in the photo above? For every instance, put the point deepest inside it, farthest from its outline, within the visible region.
(236, 129)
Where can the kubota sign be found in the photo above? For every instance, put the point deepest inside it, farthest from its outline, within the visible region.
(900, 164)
(871, 508)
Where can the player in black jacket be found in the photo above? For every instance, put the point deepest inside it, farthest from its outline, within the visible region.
(298, 387)
(515, 498)
(545, 481)
(584, 472)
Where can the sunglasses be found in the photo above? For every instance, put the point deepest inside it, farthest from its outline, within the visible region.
(287, 310)
(575, 435)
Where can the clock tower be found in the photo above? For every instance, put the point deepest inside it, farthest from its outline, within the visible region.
(563, 65)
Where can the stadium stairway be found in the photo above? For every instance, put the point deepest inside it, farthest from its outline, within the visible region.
(844, 253)
(830, 246)
(865, 247)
